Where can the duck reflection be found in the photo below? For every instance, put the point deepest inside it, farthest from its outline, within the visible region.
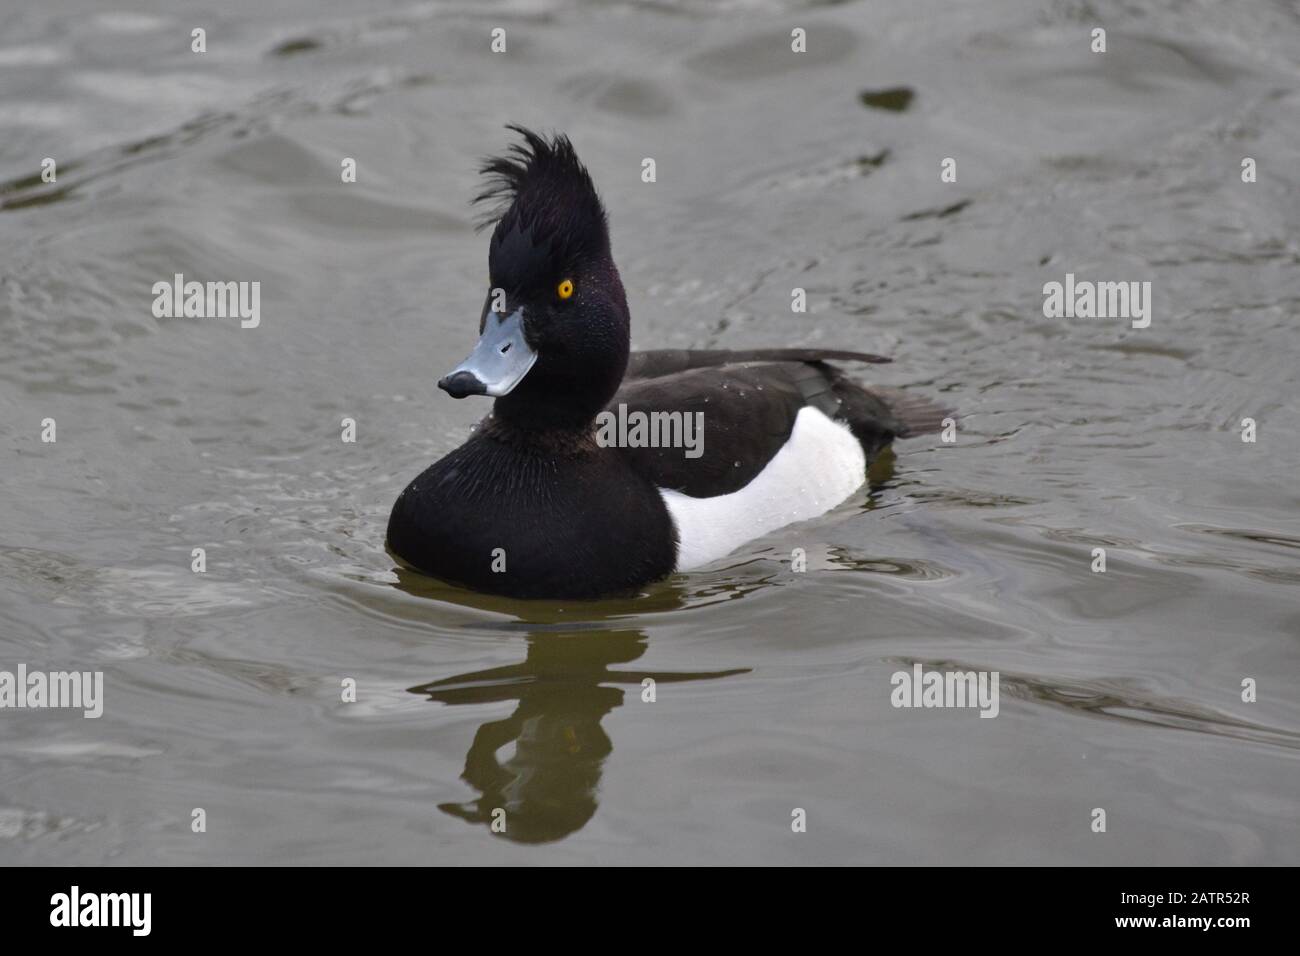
(569, 680)
(566, 684)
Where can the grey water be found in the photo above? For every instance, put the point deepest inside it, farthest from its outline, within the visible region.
(1121, 690)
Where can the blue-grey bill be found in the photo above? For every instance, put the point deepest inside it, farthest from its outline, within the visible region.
(498, 363)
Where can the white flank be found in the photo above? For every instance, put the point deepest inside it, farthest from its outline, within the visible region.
(819, 466)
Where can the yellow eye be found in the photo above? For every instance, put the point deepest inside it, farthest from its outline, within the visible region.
(565, 289)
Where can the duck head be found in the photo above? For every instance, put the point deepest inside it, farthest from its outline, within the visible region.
(554, 331)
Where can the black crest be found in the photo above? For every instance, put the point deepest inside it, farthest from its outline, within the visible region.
(545, 202)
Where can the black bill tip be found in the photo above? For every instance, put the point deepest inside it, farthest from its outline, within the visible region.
(461, 383)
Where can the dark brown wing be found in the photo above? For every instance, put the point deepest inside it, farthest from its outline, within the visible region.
(658, 362)
(742, 413)
(747, 402)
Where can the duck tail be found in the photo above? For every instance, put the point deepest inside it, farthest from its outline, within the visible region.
(913, 414)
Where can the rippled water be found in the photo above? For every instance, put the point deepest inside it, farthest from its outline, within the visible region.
(1120, 690)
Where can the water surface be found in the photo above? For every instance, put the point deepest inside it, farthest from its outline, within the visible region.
(1120, 690)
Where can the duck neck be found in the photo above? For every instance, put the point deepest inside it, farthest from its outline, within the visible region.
(546, 405)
